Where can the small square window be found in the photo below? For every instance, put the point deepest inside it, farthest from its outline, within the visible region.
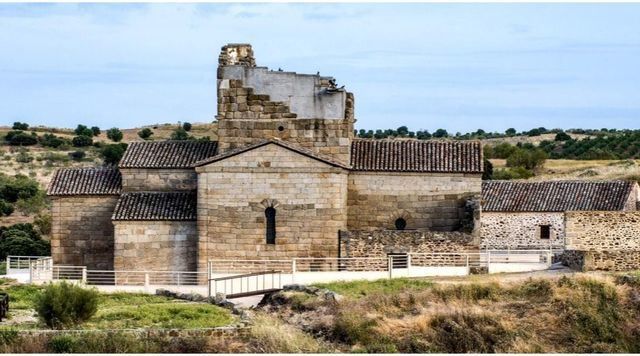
(545, 232)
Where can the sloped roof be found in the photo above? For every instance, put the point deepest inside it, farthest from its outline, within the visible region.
(555, 196)
(85, 181)
(167, 154)
(429, 156)
(288, 145)
(154, 206)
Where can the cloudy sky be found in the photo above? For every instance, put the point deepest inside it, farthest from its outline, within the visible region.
(456, 66)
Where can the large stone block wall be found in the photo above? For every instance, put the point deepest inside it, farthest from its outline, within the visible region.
(155, 245)
(141, 179)
(309, 197)
(245, 118)
(521, 230)
(82, 232)
(603, 230)
(425, 201)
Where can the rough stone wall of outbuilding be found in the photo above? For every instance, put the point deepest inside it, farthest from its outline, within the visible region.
(425, 200)
(379, 243)
(519, 230)
(309, 197)
(155, 179)
(155, 245)
(612, 260)
(603, 230)
(81, 231)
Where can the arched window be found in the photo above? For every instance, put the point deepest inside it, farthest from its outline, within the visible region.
(401, 223)
(270, 214)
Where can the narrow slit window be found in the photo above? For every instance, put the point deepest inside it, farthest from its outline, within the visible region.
(401, 224)
(270, 214)
(545, 232)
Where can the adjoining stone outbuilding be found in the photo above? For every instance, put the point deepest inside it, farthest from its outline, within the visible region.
(533, 215)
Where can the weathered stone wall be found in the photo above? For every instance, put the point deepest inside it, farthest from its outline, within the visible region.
(425, 201)
(613, 260)
(141, 179)
(379, 243)
(309, 197)
(521, 230)
(81, 231)
(155, 245)
(603, 230)
(245, 118)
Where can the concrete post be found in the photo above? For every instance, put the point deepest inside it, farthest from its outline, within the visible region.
(293, 271)
(84, 275)
(146, 279)
(30, 272)
(8, 264)
(390, 261)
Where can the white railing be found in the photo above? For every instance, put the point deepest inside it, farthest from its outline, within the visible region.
(145, 278)
(20, 262)
(240, 285)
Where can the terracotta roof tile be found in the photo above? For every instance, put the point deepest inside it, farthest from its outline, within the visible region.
(416, 156)
(85, 181)
(555, 196)
(153, 206)
(167, 154)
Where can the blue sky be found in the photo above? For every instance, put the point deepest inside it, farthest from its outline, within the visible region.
(456, 66)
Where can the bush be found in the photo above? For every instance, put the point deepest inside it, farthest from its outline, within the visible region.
(186, 126)
(17, 187)
(77, 155)
(43, 224)
(33, 204)
(95, 130)
(20, 138)
(488, 170)
(114, 134)
(82, 130)
(82, 141)
(180, 134)
(24, 157)
(145, 133)
(62, 344)
(51, 140)
(64, 304)
(20, 126)
(530, 159)
(18, 244)
(6, 208)
(512, 173)
(111, 154)
(562, 136)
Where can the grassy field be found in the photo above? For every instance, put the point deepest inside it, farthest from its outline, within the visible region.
(125, 311)
(584, 169)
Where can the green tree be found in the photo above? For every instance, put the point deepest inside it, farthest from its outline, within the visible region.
(82, 130)
(21, 138)
(145, 133)
(114, 134)
(562, 136)
(488, 170)
(530, 159)
(186, 126)
(180, 134)
(20, 125)
(510, 132)
(439, 133)
(112, 154)
(95, 130)
(82, 141)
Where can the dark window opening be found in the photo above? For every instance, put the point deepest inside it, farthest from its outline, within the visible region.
(399, 260)
(270, 214)
(545, 232)
(280, 128)
(401, 224)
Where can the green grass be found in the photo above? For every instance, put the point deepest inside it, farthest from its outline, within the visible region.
(129, 310)
(362, 288)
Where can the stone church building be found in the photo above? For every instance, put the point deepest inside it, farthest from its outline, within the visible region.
(286, 178)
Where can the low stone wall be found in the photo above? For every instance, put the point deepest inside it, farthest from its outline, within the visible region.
(603, 230)
(379, 243)
(615, 260)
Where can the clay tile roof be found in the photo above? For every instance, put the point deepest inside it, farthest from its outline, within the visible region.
(167, 154)
(303, 151)
(85, 181)
(431, 156)
(555, 196)
(156, 206)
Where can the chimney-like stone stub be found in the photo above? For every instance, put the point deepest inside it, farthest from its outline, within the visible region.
(234, 54)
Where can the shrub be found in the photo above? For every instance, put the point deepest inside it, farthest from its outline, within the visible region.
(114, 134)
(180, 134)
(24, 157)
(20, 125)
(64, 304)
(62, 344)
(6, 208)
(82, 141)
(111, 154)
(77, 155)
(8, 336)
(467, 332)
(562, 136)
(186, 126)
(23, 246)
(488, 169)
(17, 187)
(33, 204)
(145, 133)
(43, 223)
(95, 130)
(512, 173)
(20, 138)
(82, 130)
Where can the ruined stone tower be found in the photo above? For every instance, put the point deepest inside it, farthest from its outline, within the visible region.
(255, 103)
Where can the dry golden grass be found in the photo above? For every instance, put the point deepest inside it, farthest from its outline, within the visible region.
(567, 169)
